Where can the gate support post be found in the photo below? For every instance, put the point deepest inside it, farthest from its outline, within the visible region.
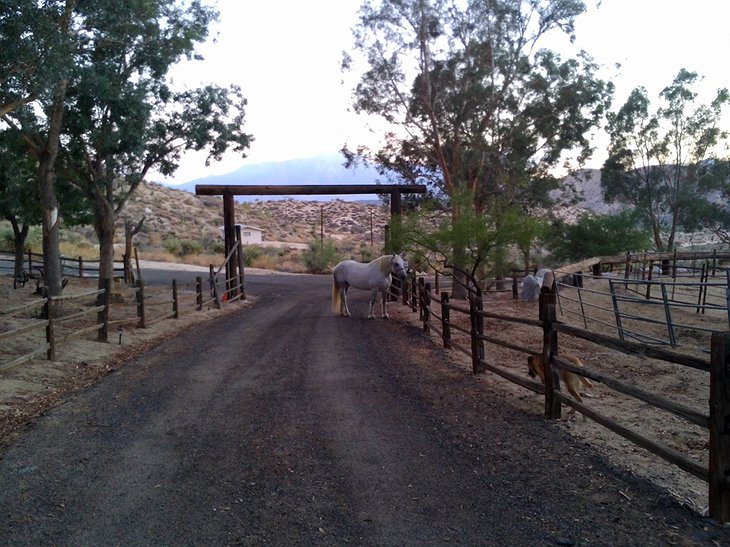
(229, 233)
(548, 316)
(720, 427)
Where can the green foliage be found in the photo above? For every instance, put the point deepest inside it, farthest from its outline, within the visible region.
(319, 258)
(182, 247)
(489, 109)
(114, 105)
(657, 158)
(466, 240)
(598, 235)
(250, 254)
(709, 208)
(19, 197)
(33, 240)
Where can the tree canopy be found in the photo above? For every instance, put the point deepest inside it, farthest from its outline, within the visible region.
(473, 102)
(657, 157)
(108, 112)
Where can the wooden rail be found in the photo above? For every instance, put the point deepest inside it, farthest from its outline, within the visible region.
(436, 312)
(54, 320)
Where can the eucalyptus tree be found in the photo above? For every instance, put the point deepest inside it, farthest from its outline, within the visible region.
(122, 117)
(472, 102)
(711, 207)
(657, 158)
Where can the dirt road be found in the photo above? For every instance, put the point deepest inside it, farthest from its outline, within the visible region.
(286, 425)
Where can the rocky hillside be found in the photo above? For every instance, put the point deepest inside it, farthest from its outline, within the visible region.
(172, 213)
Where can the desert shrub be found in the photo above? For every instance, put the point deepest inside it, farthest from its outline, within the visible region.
(366, 253)
(182, 247)
(172, 245)
(190, 247)
(319, 258)
(250, 254)
(266, 262)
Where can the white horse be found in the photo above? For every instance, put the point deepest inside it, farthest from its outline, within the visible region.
(374, 276)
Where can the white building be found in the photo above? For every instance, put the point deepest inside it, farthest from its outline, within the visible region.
(250, 235)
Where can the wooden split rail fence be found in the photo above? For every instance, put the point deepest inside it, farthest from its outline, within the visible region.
(436, 313)
(94, 312)
(73, 267)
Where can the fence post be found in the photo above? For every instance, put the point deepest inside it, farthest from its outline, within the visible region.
(421, 290)
(446, 320)
(719, 470)
(214, 288)
(477, 329)
(103, 316)
(141, 314)
(50, 334)
(668, 315)
(426, 299)
(241, 271)
(649, 278)
(175, 301)
(549, 348)
(199, 292)
(414, 294)
(395, 288)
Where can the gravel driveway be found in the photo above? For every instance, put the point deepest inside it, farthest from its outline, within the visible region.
(286, 425)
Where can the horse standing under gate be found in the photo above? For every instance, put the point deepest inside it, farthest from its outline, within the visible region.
(375, 276)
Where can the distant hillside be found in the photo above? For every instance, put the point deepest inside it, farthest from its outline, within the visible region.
(325, 169)
(173, 213)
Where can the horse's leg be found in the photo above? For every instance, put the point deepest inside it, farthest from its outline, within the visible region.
(346, 310)
(371, 306)
(385, 303)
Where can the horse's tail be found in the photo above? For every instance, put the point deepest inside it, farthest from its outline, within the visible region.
(336, 295)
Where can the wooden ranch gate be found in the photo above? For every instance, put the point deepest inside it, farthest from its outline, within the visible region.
(229, 213)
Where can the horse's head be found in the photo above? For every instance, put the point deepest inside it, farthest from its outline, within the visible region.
(399, 267)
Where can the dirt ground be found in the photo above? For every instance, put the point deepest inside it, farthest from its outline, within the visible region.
(681, 384)
(29, 389)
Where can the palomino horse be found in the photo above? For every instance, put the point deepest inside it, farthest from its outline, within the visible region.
(374, 276)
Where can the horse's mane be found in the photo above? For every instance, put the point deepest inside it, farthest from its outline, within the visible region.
(383, 263)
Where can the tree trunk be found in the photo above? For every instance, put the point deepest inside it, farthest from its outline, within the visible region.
(459, 286)
(49, 204)
(104, 218)
(20, 235)
(130, 230)
(51, 229)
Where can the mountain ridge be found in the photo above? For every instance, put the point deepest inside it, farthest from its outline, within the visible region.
(324, 169)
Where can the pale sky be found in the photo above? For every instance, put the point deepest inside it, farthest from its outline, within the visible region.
(285, 55)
